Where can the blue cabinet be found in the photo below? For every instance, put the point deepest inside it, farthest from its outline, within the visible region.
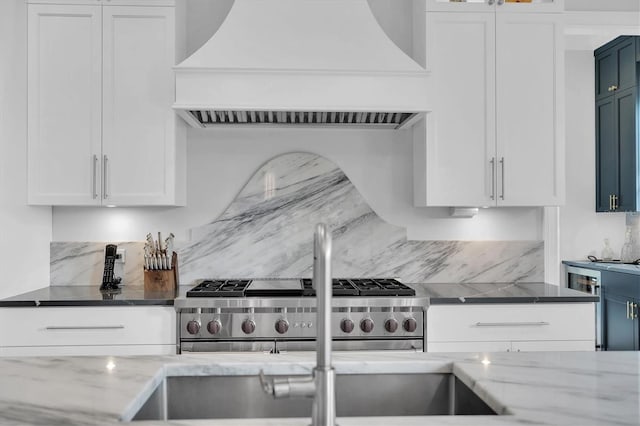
(621, 300)
(618, 125)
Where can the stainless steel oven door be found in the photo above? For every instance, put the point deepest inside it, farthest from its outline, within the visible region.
(232, 346)
(588, 281)
(271, 346)
(353, 345)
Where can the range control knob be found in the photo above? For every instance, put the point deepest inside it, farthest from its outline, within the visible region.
(282, 326)
(193, 327)
(214, 327)
(391, 325)
(410, 325)
(366, 325)
(346, 325)
(248, 326)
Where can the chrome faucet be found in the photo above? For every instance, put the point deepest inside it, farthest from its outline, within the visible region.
(321, 384)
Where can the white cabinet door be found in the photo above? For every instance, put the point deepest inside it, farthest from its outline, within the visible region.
(87, 330)
(530, 109)
(495, 136)
(101, 127)
(139, 126)
(460, 141)
(64, 104)
(516, 327)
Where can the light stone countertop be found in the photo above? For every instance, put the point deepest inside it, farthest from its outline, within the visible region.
(543, 388)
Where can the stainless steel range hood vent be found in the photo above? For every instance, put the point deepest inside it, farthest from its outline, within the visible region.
(381, 120)
(301, 63)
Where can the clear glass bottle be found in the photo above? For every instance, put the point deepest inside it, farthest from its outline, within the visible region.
(607, 252)
(627, 253)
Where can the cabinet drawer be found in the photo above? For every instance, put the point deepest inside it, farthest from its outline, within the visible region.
(469, 323)
(507, 346)
(86, 326)
(94, 350)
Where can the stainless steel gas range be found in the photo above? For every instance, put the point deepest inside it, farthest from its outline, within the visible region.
(278, 315)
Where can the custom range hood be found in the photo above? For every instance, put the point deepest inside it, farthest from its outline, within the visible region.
(300, 63)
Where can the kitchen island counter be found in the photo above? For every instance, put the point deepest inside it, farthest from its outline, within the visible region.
(546, 388)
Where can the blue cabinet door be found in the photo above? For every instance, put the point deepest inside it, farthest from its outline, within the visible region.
(616, 66)
(620, 294)
(606, 154)
(606, 72)
(617, 125)
(625, 121)
(620, 332)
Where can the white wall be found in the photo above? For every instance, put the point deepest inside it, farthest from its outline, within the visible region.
(582, 230)
(25, 231)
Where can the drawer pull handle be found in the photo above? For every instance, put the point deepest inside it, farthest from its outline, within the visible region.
(511, 324)
(91, 327)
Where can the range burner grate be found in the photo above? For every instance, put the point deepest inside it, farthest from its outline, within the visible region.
(382, 287)
(219, 288)
(341, 287)
(363, 287)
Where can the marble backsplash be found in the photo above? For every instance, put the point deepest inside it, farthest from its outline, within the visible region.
(267, 231)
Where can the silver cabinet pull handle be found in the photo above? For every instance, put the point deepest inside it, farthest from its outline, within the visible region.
(89, 327)
(490, 2)
(628, 309)
(105, 161)
(95, 177)
(493, 178)
(502, 166)
(511, 324)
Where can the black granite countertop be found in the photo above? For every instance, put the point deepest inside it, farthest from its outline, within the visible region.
(90, 296)
(445, 293)
(602, 266)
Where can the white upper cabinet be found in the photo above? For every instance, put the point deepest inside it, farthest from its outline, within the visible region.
(64, 103)
(495, 136)
(101, 128)
(498, 5)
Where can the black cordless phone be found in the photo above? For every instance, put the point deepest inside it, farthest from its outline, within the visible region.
(108, 280)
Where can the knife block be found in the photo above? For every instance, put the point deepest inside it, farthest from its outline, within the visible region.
(163, 279)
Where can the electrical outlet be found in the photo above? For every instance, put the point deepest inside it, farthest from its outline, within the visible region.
(120, 255)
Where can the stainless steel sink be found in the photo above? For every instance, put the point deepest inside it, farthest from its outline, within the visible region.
(218, 397)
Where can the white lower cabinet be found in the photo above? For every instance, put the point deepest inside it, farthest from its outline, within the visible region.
(514, 327)
(95, 330)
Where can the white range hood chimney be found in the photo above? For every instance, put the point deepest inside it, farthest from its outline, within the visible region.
(300, 63)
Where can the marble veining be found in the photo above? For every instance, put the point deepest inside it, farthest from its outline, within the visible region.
(267, 232)
(82, 263)
(525, 388)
